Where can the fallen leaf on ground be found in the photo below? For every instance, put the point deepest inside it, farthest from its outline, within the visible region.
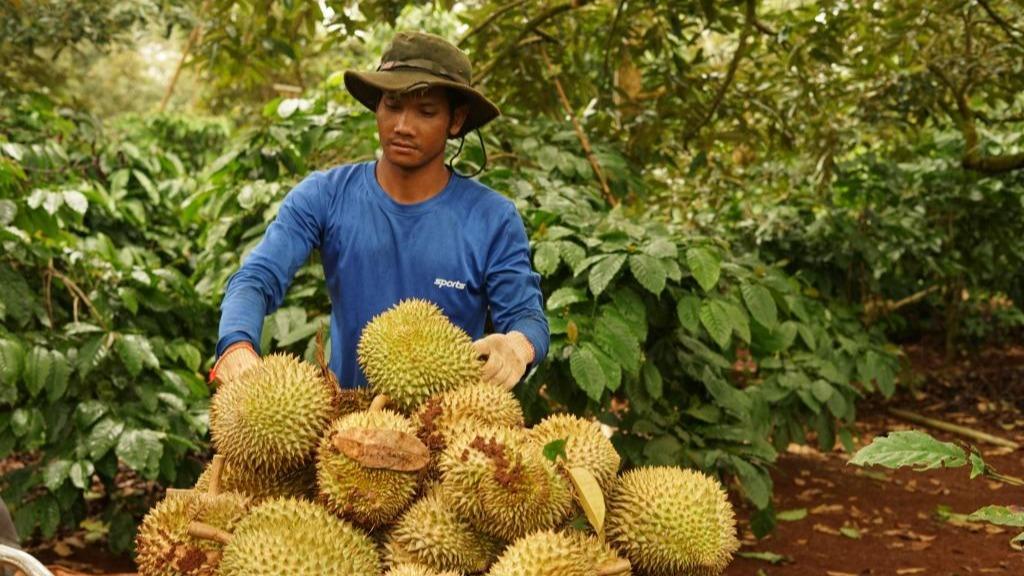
(826, 529)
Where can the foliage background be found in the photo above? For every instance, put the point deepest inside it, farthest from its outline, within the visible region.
(783, 189)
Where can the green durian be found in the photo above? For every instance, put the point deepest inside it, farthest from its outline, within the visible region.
(669, 521)
(544, 553)
(480, 405)
(585, 445)
(163, 545)
(502, 483)
(431, 533)
(367, 496)
(258, 485)
(287, 536)
(271, 418)
(413, 351)
(417, 570)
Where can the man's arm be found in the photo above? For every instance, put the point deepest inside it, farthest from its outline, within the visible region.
(260, 285)
(516, 303)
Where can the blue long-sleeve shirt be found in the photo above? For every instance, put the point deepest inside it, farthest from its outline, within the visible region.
(464, 249)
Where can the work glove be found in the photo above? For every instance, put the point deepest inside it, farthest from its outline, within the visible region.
(506, 355)
(238, 358)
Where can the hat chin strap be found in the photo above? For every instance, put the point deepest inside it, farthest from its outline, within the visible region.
(462, 141)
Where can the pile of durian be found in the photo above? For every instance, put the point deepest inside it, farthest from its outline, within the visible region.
(429, 472)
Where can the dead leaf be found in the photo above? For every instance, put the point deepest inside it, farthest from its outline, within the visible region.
(826, 530)
(902, 571)
(828, 509)
(389, 449)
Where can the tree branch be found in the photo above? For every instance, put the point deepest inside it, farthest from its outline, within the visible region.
(527, 29)
(490, 19)
(1011, 31)
(730, 74)
(584, 141)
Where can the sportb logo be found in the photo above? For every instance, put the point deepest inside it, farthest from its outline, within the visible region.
(442, 283)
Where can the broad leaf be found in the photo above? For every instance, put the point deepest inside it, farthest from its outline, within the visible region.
(38, 365)
(705, 267)
(587, 373)
(602, 273)
(688, 312)
(648, 271)
(616, 339)
(715, 317)
(546, 258)
(761, 304)
(1000, 515)
(910, 448)
(565, 296)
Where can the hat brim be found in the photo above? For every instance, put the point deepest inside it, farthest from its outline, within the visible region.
(367, 87)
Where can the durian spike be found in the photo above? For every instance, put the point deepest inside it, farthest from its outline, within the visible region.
(614, 568)
(216, 469)
(379, 402)
(207, 532)
(388, 449)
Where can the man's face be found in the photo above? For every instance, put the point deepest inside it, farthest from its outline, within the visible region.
(415, 126)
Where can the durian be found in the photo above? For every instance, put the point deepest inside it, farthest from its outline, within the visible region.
(287, 536)
(367, 496)
(476, 405)
(417, 570)
(585, 445)
(544, 553)
(669, 521)
(413, 351)
(163, 545)
(503, 484)
(431, 533)
(272, 417)
(258, 485)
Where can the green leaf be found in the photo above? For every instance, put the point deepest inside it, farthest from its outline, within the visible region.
(688, 312)
(615, 339)
(135, 352)
(12, 360)
(55, 473)
(652, 380)
(978, 465)
(612, 370)
(554, 449)
(999, 515)
(761, 304)
(190, 355)
(632, 309)
(821, 390)
(850, 532)
(725, 395)
(792, 515)
(546, 258)
(565, 296)
(103, 436)
(81, 474)
(648, 271)
(662, 248)
(88, 412)
(148, 186)
(739, 320)
(714, 315)
(587, 373)
(572, 253)
(38, 364)
(57, 383)
(705, 267)
(90, 355)
(48, 513)
(141, 450)
(602, 273)
(910, 448)
(756, 482)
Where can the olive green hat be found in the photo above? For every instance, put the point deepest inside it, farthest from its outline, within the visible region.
(416, 60)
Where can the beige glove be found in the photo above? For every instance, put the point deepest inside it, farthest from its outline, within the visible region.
(238, 358)
(507, 356)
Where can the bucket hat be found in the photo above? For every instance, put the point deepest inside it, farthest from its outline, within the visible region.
(416, 60)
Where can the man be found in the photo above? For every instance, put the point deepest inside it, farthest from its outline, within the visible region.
(402, 227)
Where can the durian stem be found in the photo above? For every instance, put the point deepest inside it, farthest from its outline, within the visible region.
(216, 469)
(379, 402)
(207, 532)
(178, 491)
(614, 568)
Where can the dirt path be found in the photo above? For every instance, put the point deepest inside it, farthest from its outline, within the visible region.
(876, 521)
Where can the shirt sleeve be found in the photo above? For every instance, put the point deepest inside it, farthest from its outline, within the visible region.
(513, 288)
(259, 286)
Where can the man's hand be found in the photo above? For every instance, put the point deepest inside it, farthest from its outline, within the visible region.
(507, 356)
(238, 358)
